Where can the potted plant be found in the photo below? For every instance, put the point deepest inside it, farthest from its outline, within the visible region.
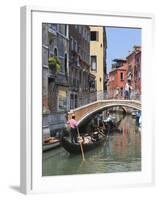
(54, 63)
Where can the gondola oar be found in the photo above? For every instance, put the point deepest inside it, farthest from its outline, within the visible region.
(82, 152)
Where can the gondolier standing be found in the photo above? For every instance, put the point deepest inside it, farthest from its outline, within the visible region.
(73, 125)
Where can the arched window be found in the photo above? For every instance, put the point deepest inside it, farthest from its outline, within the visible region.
(65, 63)
(55, 51)
(71, 43)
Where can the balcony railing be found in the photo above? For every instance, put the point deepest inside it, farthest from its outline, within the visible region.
(52, 73)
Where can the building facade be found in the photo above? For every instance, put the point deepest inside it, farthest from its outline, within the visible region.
(55, 59)
(126, 71)
(98, 47)
(70, 76)
(117, 78)
(80, 80)
(134, 69)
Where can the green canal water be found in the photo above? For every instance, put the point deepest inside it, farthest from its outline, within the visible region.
(121, 152)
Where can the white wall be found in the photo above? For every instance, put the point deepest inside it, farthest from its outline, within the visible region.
(10, 95)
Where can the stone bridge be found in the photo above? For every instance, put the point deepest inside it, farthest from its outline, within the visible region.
(86, 111)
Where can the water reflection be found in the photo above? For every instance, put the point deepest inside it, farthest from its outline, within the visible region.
(121, 152)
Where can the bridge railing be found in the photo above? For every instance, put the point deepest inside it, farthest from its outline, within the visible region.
(100, 95)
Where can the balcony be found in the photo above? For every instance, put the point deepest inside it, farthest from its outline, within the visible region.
(62, 79)
(52, 73)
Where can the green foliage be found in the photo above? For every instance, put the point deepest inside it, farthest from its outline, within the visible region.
(54, 62)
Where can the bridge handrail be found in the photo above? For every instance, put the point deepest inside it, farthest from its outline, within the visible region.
(121, 101)
(99, 95)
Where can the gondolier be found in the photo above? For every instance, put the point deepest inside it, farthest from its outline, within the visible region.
(73, 125)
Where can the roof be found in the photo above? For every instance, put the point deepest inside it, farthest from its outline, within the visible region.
(119, 60)
(123, 68)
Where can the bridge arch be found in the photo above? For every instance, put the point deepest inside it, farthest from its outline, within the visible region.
(88, 110)
(98, 110)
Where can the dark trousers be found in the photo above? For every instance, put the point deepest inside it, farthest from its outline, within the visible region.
(127, 94)
(73, 135)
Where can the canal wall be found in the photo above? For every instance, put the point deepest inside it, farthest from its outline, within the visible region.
(53, 124)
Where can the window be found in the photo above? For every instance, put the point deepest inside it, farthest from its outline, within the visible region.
(121, 76)
(129, 76)
(94, 36)
(80, 75)
(65, 63)
(71, 43)
(66, 30)
(78, 61)
(55, 51)
(62, 100)
(94, 63)
(75, 46)
(71, 101)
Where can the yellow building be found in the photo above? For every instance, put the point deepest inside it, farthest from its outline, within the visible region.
(98, 56)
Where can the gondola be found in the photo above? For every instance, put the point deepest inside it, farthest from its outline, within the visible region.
(74, 148)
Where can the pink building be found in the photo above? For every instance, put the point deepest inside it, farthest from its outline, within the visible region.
(123, 71)
(134, 69)
(117, 78)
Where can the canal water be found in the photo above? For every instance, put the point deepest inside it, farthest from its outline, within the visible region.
(121, 152)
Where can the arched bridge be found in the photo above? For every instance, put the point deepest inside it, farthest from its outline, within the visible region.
(86, 111)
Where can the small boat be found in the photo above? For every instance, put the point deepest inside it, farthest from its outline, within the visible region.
(88, 144)
(50, 143)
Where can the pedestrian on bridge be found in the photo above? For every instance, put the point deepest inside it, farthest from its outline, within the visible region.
(126, 91)
(117, 93)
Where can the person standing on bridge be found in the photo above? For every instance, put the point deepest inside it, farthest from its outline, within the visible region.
(117, 93)
(73, 125)
(126, 91)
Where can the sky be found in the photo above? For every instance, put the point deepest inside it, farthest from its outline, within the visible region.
(120, 41)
